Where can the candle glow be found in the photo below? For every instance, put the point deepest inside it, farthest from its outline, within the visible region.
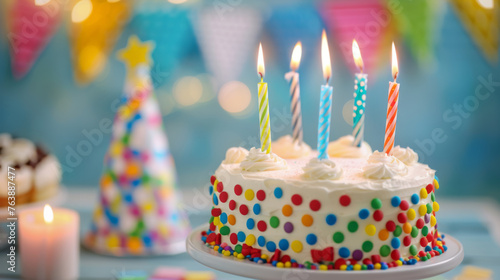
(325, 58)
(395, 69)
(356, 53)
(296, 56)
(48, 214)
(261, 69)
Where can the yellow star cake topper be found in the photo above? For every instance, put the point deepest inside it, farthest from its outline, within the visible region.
(136, 52)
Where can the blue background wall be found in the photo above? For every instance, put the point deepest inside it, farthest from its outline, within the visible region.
(48, 107)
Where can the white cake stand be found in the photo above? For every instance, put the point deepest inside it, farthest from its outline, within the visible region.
(435, 266)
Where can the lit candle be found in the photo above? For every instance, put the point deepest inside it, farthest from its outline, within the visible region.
(293, 78)
(358, 124)
(392, 106)
(325, 102)
(265, 124)
(49, 243)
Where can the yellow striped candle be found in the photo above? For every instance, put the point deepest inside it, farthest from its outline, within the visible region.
(265, 124)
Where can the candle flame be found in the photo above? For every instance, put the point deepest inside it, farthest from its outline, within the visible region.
(48, 215)
(356, 53)
(325, 57)
(261, 69)
(395, 69)
(296, 55)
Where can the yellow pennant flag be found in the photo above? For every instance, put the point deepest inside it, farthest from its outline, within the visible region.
(95, 27)
(480, 18)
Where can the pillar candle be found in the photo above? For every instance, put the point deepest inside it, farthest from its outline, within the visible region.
(49, 249)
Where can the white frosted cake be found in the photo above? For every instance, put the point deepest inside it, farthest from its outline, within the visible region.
(357, 210)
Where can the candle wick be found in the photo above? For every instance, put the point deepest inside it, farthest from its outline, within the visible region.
(261, 77)
(396, 76)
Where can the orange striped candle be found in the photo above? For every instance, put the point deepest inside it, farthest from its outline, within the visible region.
(392, 106)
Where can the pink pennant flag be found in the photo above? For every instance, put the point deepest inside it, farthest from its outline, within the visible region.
(367, 21)
(32, 24)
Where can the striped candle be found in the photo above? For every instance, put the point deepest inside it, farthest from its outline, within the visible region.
(358, 115)
(293, 78)
(392, 114)
(392, 106)
(265, 124)
(358, 124)
(325, 102)
(325, 106)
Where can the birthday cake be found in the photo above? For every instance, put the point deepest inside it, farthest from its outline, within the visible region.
(36, 172)
(356, 210)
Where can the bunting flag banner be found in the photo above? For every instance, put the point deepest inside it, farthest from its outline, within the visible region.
(31, 25)
(289, 24)
(94, 29)
(168, 25)
(227, 39)
(418, 22)
(367, 21)
(480, 19)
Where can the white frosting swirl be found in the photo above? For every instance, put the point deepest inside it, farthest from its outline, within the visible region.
(382, 166)
(406, 155)
(285, 147)
(20, 151)
(257, 161)
(322, 169)
(235, 155)
(343, 147)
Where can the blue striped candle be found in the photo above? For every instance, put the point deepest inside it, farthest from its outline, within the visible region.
(325, 106)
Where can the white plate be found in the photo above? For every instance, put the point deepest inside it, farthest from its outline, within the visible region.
(435, 266)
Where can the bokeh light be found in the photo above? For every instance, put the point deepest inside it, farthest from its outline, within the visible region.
(347, 111)
(487, 4)
(81, 11)
(41, 2)
(188, 90)
(234, 97)
(91, 60)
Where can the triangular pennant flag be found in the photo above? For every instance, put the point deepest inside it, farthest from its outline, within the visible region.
(32, 25)
(95, 27)
(480, 18)
(289, 24)
(227, 40)
(168, 25)
(418, 22)
(138, 211)
(367, 21)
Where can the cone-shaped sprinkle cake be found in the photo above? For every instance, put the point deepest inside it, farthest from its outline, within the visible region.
(138, 211)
